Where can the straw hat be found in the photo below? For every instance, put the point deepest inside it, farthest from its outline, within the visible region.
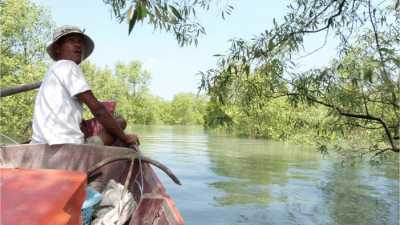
(65, 30)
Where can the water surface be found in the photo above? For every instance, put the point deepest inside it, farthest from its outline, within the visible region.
(229, 180)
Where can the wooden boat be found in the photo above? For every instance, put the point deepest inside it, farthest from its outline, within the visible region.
(102, 163)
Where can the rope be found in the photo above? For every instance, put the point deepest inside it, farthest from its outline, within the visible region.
(141, 158)
(10, 139)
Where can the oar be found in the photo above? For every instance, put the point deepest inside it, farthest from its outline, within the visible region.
(15, 90)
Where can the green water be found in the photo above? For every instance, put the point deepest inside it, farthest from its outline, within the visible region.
(229, 180)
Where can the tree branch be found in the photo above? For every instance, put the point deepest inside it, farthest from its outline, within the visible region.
(380, 151)
(362, 126)
(330, 20)
(358, 116)
(378, 48)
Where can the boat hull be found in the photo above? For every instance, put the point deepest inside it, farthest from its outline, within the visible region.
(155, 206)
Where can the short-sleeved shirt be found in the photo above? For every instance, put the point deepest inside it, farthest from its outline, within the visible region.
(58, 113)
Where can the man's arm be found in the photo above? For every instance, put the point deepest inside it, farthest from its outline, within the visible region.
(105, 118)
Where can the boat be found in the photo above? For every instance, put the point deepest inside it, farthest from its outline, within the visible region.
(102, 163)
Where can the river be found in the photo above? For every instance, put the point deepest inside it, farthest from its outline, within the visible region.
(228, 180)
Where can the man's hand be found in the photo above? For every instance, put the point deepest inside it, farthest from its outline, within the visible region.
(131, 139)
(111, 125)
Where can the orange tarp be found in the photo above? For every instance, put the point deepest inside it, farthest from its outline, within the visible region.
(41, 197)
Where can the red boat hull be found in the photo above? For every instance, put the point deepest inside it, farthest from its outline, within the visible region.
(154, 205)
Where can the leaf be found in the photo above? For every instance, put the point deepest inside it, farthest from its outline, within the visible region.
(141, 11)
(176, 12)
(388, 51)
(247, 69)
(367, 72)
(270, 45)
(132, 21)
(130, 13)
(158, 14)
(274, 22)
(218, 55)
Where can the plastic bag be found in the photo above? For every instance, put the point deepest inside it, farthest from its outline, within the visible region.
(116, 206)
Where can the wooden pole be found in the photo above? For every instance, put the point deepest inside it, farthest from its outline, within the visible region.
(15, 90)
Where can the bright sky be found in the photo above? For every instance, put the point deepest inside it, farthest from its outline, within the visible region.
(174, 69)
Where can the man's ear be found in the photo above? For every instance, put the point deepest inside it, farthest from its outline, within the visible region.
(57, 49)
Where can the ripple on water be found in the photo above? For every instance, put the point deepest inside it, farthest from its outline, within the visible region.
(244, 181)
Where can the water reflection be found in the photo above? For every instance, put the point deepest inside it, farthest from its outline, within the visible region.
(354, 196)
(252, 166)
(241, 181)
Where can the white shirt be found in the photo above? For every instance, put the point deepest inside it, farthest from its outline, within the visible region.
(58, 113)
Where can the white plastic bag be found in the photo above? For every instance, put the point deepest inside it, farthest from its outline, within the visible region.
(116, 206)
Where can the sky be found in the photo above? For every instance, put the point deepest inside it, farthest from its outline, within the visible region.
(174, 69)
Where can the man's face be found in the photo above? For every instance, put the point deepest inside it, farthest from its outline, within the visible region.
(71, 48)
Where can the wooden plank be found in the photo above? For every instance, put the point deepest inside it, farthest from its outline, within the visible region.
(15, 90)
(147, 212)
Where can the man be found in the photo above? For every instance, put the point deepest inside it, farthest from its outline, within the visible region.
(58, 107)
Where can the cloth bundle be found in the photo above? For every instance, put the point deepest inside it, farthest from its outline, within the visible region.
(116, 206)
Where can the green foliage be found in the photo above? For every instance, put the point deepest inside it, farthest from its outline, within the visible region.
(23, 42)
(128, 85)
(22, 61)
(133, 75)
(177, 17)
(256, 89)
(245, 113)
(357, 95)
(25, 29)
(215, 115)
(187, 109)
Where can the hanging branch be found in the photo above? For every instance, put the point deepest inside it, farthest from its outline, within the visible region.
(353, 115)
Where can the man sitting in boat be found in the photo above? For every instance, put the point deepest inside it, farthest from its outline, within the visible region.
(58, 108)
